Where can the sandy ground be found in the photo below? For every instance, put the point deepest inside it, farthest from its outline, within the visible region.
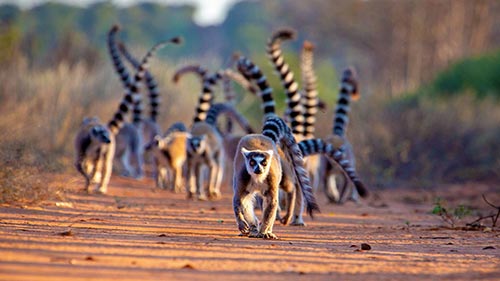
(137, 232)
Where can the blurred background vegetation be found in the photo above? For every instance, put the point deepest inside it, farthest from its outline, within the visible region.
(429, 75)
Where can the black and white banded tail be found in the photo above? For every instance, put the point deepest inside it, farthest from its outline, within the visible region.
(252, 73)
(295, 110)
(207, 96)
(310, 100)
(132, 94)
(318, 146)
(276, 129)
(151, 84)
(348, 89)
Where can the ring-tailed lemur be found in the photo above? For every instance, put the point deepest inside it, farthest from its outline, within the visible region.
(95, 143)
(205, 145)
(348, 91)
(170, 157)
(130, 140)
(295, 110)
(265, 163)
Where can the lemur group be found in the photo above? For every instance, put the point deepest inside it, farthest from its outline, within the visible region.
(280, 167)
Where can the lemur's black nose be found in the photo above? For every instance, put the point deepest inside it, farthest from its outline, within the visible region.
(257, 171)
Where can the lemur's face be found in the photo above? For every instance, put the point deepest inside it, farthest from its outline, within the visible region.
(100, 134)
(257, 162)
(197, 144)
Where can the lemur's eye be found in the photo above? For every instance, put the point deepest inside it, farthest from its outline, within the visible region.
(263, 163)
(252, 163)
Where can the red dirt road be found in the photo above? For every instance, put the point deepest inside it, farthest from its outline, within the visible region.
(137, 232)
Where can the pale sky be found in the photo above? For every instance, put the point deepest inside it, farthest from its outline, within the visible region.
(208, 12)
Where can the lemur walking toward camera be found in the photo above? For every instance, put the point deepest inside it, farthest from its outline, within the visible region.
(265, 163)
(95, 143)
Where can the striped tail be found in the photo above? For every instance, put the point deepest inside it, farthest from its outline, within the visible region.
(252, 72)
(154, 94)
(317, 146)
(277, 130)
(220, 108)
(310, 100)
(176, 127)
(348, 89)
(201, 71)
(207, 97)
(295, 109)
(132, 94)
(116, 59)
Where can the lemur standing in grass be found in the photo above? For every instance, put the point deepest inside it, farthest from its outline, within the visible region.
(329, 173)
(265, 163)
(95, 143)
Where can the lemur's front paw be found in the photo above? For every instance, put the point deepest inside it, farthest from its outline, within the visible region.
(190, 195)
(202, 197)
(214, 195)
(267, 236)
(243, 228)
(285, 220)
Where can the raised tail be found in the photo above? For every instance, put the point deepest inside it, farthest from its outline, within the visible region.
(206, 98)
(276, 129)
(295, 108)
(132, 94)
(348, 89)
(220, 108)
(195, 68)
(252, 72)
(310, 100)
(152, 85)
(317, 146)
(118, 64)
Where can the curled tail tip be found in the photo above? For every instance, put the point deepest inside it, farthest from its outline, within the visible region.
(177, 40)
(308, 45)
(285, 34)
(361, 188)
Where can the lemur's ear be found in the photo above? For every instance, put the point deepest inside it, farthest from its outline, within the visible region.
(245, 152)
(269, 153)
